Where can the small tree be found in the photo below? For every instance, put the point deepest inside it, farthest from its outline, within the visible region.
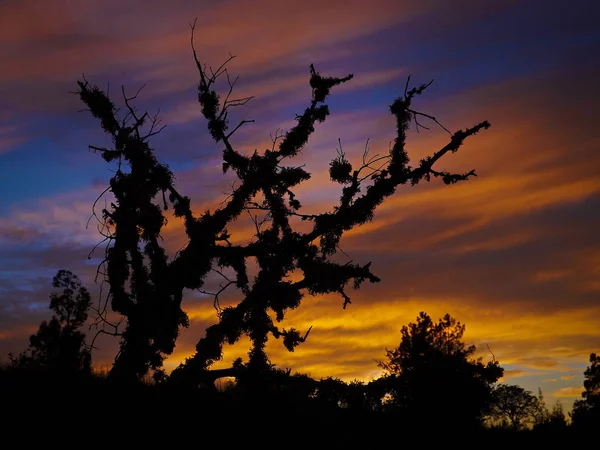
(71, 305)
(58, 344)
(557, 419)
(586, 412)
(542, 416)
(514, 407)
(432, 376)
(549, 419)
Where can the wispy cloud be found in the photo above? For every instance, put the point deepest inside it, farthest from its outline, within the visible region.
(568, 392)
(9, 138)
(568, 377)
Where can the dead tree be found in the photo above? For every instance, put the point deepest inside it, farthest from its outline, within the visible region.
(146, 286)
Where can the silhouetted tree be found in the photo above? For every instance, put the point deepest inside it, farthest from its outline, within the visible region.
(549, 419)
(542, 415)
(270, 380)
(556, 418)
(355, 396)
(514, 407)
(58, 344)
(360, 398)
(331, 392)
(147, 287)
(586, 412)
(432, 376)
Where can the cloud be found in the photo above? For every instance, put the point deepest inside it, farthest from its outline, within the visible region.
(509, 374)
(63, 217)
(361, 333)
(9, 138)
(569, 376)
(538, 362)
(568, 392)
(76, 42)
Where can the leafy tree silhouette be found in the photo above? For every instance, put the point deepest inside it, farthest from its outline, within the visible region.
(58, 344)
(586, 412)
(514, 407)
(331, 392)
(432, 378)
(146, 287)
(549, 419)
(543, 414)
(355, 396)
(555, 419)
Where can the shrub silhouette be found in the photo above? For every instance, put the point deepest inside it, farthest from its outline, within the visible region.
(432, 377)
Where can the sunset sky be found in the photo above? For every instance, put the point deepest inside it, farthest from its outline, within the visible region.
(514, 253)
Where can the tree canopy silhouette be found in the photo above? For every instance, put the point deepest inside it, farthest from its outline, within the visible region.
(432, 376)
(146, 286)
(514, 407)
(58, 344)
(586, 412)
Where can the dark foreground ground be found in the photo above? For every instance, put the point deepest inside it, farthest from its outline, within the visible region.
(92, 413)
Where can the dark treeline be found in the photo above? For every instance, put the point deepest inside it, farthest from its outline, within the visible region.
(432, 388)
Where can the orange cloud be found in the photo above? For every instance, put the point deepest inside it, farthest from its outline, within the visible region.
(509, 374)
(347, 342)
(568, 392)
(568, 377)
(19, 332)
(81, 44)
